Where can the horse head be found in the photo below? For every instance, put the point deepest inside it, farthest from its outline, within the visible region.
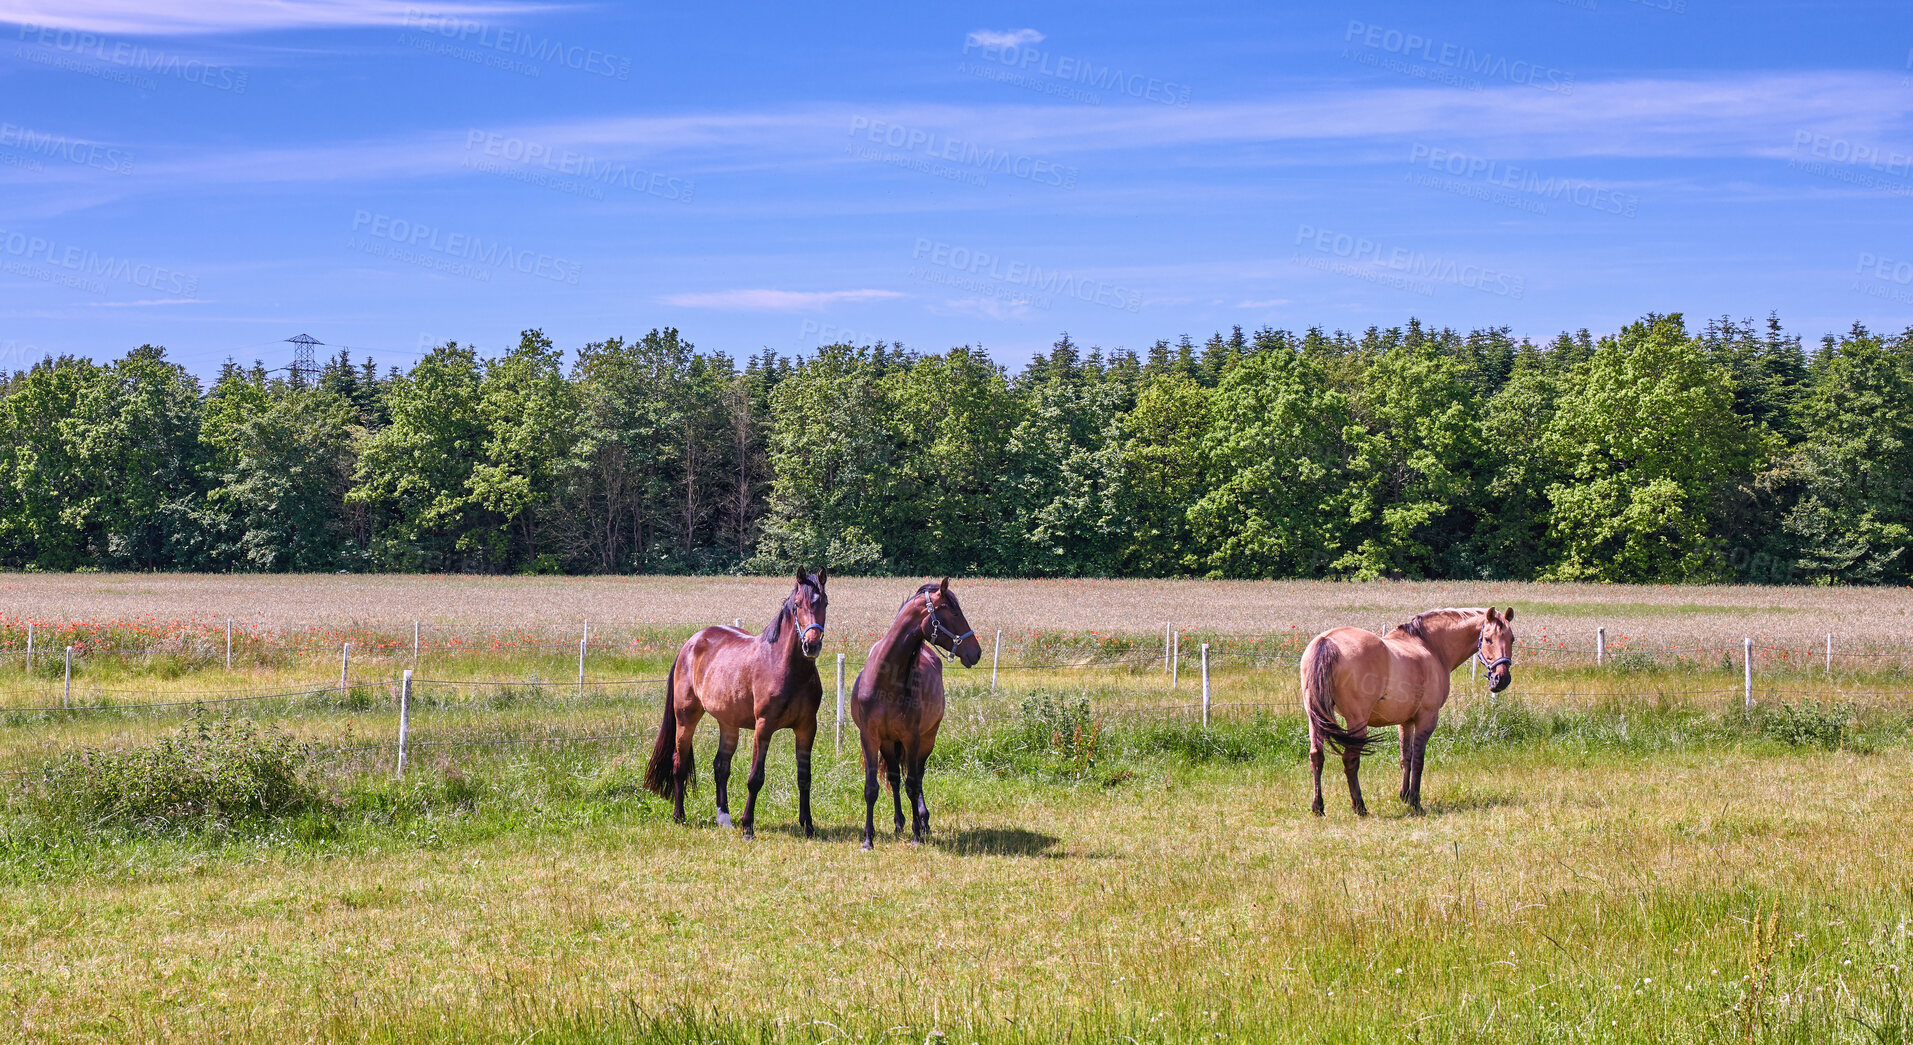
(1496, 648)
(808, 604)
(945, 626)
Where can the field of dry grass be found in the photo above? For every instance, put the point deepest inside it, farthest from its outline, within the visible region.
(1669, 616)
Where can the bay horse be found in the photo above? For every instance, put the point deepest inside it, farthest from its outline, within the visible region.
(1396, 679)
(898, 699)
(762, 683)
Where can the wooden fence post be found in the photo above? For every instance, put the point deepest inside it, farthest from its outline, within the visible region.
(1600, 646)
(996, 659)
(415, 640)
(840, 703)
(405, 715)
(1205, 685)
(66, 695)
(30, 646)
(345, 663)
(1747, 663)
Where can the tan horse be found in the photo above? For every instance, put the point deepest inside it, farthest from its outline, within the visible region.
(1398, 679)
(762, 683)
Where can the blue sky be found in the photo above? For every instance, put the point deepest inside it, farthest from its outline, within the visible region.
(385, 176)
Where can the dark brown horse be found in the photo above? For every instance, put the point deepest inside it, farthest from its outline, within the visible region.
(898, 700)
(1396, 679)
(762, 683)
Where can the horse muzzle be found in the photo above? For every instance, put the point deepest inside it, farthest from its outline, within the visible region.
(809, 647)
(1498, 681)
(968, 653)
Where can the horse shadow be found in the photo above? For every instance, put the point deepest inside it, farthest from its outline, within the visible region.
(997, 841)
(980, 841)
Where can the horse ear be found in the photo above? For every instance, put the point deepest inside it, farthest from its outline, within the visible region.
(800, 575)
(1509, 616)
(1493, 615)
(943, 585)
(822, 576)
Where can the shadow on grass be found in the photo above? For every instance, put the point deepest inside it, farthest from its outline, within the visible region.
(997, 841)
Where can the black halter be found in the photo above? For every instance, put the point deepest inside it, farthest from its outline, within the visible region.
(936, 628)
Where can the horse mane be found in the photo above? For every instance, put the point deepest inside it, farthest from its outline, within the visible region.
(927, 587)
(1415, 627)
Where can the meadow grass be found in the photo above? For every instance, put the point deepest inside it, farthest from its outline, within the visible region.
(1622, 853)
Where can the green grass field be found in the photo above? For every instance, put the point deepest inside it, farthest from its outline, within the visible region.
(1622, 854)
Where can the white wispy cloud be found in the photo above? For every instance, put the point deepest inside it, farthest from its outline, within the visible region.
(777, 300)
(1005, 37)
(197, 17)
(1271, 303)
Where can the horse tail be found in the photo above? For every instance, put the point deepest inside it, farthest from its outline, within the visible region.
(657, 776)
(1318, 697)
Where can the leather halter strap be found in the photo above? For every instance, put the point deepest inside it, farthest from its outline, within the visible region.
(936, 628)
(1485, 662)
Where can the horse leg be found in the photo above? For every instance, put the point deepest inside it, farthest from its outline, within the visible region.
(805, 737)
(919, 809)
(760, 746)
(893, 768)
(721, 772)
(1421, 758)
(1408, 761)
(684, 761)
(871, 794)
(1352, 765)
(1315, 765)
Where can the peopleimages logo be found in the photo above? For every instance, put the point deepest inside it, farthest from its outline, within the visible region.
(482, 254)
(1022, 275)
(60, 147)
(132, 57)
(972, 162)
(1409, 264)
(530, 159)
(1523, 180)
(517, 44)
(1011, 59)
(83, 269)
(1417, 48)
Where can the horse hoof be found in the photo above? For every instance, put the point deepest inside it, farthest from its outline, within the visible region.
(749, 834)
(810, 830)
(868, 846)
(1361, 811)
(1316, 808)
(723, 819)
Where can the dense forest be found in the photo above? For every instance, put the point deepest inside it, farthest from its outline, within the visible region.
(1657, 454)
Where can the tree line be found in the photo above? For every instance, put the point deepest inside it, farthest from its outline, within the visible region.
(1656, 454)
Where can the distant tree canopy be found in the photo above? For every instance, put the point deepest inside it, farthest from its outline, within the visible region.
(1656, 454)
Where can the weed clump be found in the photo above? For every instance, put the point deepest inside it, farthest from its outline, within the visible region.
(1809, 723)
(208, 774)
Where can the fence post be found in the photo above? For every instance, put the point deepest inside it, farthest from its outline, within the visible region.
(1600, 646)
(1175, 659)
(30, 646)
(840, 703)
(415, 640)
(66, 695)
(737, 622)
(996, 659)
(1829, 654)
(345, 662)
(228, 643)
(1205, 685)
(405, 715)
(581, 668)
(1747, 663)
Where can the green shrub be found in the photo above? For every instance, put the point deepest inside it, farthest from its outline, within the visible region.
(1807, 724)
(209, 773)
